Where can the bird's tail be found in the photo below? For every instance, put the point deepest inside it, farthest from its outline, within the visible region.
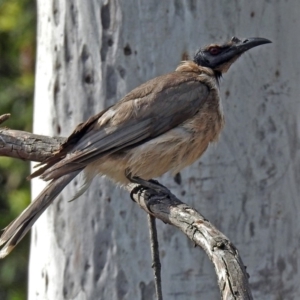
(16, 230)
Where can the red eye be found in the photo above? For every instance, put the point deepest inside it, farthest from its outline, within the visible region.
(214, 50)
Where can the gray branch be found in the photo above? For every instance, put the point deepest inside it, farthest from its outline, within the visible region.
(155, 256)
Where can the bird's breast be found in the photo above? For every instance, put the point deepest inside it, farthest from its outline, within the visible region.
(208, 121)
(204, 128)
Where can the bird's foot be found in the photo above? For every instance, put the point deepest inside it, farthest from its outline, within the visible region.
(150, 184)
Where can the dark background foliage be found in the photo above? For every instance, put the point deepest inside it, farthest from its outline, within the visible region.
(17, 56)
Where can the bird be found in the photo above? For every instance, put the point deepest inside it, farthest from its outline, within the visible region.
(165, 124)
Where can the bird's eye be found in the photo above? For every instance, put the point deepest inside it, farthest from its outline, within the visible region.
(214, 50)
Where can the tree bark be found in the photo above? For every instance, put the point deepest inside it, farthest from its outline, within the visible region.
(90, 53)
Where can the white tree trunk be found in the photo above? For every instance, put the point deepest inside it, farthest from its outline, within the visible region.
(90, 54)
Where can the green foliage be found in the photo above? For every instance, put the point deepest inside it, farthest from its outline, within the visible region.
(17, 56)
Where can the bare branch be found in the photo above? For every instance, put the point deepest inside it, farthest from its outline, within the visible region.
(231, 273)
(155, 256)
(4, 117)
(230, 270)
(27, 146)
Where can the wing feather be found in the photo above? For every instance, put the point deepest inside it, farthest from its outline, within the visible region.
(147, 112)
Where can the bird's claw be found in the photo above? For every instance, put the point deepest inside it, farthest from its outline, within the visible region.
(150, 184)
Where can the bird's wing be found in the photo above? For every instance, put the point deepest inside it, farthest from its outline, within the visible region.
(146, 112)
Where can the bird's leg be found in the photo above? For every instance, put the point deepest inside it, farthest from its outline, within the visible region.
(150, 184)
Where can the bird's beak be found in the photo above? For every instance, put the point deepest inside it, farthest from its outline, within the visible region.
(240, 46)
(233, 50)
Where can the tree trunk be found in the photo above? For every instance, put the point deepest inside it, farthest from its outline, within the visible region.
(90, 54)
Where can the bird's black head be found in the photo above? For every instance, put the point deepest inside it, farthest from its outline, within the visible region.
(220, 57)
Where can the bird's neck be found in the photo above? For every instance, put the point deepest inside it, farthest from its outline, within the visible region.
(209, 76)
(190, 66)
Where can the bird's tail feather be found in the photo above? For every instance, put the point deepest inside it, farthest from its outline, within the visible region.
(16, 230)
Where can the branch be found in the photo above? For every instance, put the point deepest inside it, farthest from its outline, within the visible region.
(155, 256)
(230, 270)
(4, 117)
(27, 146)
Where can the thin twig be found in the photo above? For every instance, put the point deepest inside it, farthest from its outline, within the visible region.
(4, 117)
(155, 256)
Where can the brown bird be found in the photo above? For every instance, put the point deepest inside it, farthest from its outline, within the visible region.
(163, 125)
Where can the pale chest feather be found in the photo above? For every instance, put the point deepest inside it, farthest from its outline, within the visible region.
(204, 128)
(209, 120)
